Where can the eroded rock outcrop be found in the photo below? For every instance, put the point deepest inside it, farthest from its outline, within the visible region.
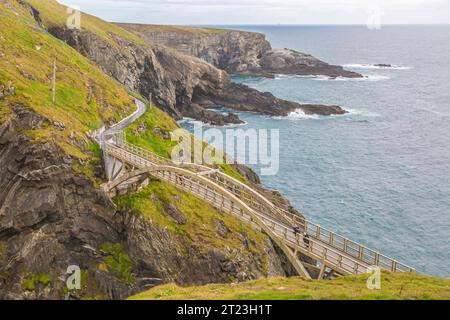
(229, 50)
(286, 61)
(237, 52)
(240, 97)
(48, 213)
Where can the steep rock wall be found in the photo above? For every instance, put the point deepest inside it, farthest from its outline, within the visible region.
(232, 51)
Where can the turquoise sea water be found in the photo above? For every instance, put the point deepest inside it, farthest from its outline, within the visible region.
(380, 175)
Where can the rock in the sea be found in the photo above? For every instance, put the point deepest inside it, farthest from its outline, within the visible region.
(233, 119)
(383, 65)
(286, 61)
(241, 97)
(322, 110)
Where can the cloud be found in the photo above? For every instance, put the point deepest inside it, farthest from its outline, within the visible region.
(265, 11)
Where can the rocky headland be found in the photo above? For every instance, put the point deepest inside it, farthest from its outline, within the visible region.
(237, 52)
(182, 85)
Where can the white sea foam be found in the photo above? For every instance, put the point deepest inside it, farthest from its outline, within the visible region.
(371, 78)
(220, 111)
(186, 119)
(297, 76)
(290, 76)
(375, 67)
(298, 114)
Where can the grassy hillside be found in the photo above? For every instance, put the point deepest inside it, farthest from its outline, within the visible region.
(55, 14)
(86, 99)
(393, 287)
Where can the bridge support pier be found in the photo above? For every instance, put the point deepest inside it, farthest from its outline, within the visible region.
(322, 272)
(113, 167)
(294, 259)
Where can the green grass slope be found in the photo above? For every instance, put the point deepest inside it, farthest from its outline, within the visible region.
(54, 14)
(201, 218)
(154, 122)
(85, 98)
(396, 286)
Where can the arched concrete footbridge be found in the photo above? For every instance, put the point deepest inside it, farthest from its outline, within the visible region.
(293, 234)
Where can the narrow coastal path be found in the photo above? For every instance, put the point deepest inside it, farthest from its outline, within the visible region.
(125, 122)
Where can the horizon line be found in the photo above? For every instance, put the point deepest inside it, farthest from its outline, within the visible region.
(284, 25)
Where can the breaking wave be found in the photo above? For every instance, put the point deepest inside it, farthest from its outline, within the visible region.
(299, 114)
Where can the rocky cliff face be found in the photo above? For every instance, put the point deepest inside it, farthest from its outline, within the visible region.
(183, 86)
(237, 52)
(52, 217)
(232, 51)
(48, 214)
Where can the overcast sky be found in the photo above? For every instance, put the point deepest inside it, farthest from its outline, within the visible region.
(212, 12)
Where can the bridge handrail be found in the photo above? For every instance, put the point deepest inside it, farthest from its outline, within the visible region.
(209, 186)
(342, 243)
(161, 160)
(145, 153)
(352, 248)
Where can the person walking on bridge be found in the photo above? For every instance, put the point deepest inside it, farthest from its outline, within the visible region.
(306, 240)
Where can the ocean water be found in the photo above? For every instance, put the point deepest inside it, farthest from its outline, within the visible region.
(381, 174)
